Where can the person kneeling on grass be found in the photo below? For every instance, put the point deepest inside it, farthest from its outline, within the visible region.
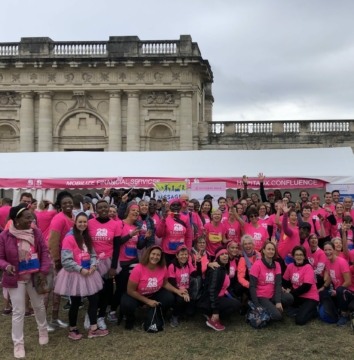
(148, 284)
(299, 281)
(266, 283)
(180, 272)
(79, 276)
(217, 298)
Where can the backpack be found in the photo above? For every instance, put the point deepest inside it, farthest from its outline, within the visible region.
(154, 321)
(195, 288)
(258, 317)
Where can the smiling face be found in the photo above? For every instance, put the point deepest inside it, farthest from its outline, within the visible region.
(244, 204)
(216, 215)
(24, 221)
(328, 199)
(67, 205)
(182, 256)
(133, 213)
(338, 245)
(152, 206)
(206, 207)
(81, 223)
(339, 209)
(262, 211)
(102, 210)
(304, 196)
(315, 201)
(248, 246)
(313, 241)
(144, 207)
(348, 203)
(269, 251)
(239, 209)
(336, 197)
(232, 249)
(155, 257)
(299, 257)
(224, 258)
(200, 245)
(112, 213)
(175, 207)
(329, 251)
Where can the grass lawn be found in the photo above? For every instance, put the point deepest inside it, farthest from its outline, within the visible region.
(192, 340)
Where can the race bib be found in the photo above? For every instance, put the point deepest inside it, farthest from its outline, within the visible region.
(29, 267)
(215, 237)
(173, 244)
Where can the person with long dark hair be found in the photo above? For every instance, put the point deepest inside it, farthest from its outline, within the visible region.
(78, 278)
(205, 211)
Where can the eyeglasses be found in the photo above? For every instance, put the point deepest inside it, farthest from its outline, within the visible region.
(253, 216)
(302, 255)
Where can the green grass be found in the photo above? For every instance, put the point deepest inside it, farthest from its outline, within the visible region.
(191, 340)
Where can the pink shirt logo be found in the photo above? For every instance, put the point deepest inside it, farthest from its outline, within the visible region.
(295, 278)
(232, 271)
(269, 278)
(152, 283)
(257, 236)
(232, 231)
(332, 274)
(102, 232)
(177, 227)
(184, 280)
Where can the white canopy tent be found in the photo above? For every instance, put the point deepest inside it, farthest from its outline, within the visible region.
(331, 165)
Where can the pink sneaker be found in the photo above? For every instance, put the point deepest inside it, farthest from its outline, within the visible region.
(75, 335)
(215, 325)
(43, 337)
(97, 333)
(19, 351)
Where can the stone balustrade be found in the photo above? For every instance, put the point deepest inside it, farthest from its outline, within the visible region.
(78, 48)
(8, 49)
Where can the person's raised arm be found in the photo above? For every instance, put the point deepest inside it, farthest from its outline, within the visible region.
(345, 240)
(238, 218)
(286, 228)
(245, 182)
(261, 187)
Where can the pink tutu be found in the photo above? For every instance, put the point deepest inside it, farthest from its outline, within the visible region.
(75, 284)
(103, 266)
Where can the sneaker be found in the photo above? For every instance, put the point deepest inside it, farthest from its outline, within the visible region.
(101, 324)
(7, 312)
(19, 351)
(174, 321)
(29, 313)
(97, 333)
(43, 337)
(67, 306)
(292, 312)
(112, 317)
(75, 334)
(58, 322)
(215, 325)
(87, 323)
(342, 321)
(50, 328)
(81, 305)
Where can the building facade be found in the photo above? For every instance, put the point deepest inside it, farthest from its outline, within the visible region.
(126, 94)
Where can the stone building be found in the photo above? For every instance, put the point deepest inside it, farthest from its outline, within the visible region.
(118, 95)
(125, 94)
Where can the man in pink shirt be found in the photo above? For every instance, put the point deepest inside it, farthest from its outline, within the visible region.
(4, 211)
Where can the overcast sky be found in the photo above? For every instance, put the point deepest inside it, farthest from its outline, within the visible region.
(272, 59)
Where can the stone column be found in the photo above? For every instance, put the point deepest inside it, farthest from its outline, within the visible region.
(45, 122)
(185, 123)
(115, 121)
(133, 121)
(27, 122)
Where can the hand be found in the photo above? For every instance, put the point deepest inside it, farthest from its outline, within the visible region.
(134, 232)
(215, 317)
(112, 273)
(186, 298)
(261, 177)
(92, 269)
(287, 291)
(297, 206)
(182, 292)
(213, 265)
(84, 272)
(286, 209)
(42, 279)
(106, 192)
(204, 232)
(279, 307)
(198, 258)
(148, 233)
(10, 270)
(165, 214)
(152, 303)
(125, 198)
(328, 210)
(164, 201)
(245, 179)
(333, 293)
(273, 240)
(58, 265)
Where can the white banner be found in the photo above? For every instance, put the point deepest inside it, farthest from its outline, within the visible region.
(215, 189)
(345, 190)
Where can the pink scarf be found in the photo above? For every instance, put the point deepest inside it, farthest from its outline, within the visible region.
(26, 238)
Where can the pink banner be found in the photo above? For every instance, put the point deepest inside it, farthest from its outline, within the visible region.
(142, 182)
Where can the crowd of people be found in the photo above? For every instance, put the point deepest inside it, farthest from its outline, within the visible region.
(122, 253)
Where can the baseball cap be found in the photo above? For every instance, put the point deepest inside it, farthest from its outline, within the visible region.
(270, 193)
(207, 197)
(87, 200)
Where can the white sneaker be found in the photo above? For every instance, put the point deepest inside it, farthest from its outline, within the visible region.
(87, 323)
(50, 328)
(101, 324)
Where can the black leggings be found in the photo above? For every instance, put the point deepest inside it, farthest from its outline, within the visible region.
(129, 304)
(227, 306)
(92, 309)
(319, 281)
(181, 307)
(307, 309)
(105, 296)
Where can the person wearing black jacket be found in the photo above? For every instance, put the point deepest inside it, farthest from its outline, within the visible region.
(298, 280)
(217, 298)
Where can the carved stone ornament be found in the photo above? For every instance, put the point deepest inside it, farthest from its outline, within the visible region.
(104, 77)
(15, 77)
(162, 97)
(81, 101)
(52, 77)
(158, 77)
(33, 77)
(7, 99)
(69, 78)
(86, 77)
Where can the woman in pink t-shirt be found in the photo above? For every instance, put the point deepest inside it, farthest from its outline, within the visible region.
(174, 229)
(180, 273)
(232, 228)
(78, 278)
(148, 284)
(299, 281)
(317, 259)
(234, 257)
(338, 274)
(266, 283)
(316, 225)
(341, 247)
(339, 213)
(199, 250)
(44, 217)
(112, 213)
(258, 232)
(205, 211)
(218, 299)
(215, 233)
(263, 218)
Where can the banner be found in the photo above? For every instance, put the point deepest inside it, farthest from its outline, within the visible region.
(344, 190)
(216, 190)
(170, 190)
(146, 183)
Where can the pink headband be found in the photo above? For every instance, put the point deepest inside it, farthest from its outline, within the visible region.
(134, 207)
(181, 247)
(220, 252)
(314, 196)
(231, 242)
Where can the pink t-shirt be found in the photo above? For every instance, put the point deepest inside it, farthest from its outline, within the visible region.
(317, 260)
(148, 281)
(44, 219)
(61, 224)
(4, 213)
(174, 235)
(287, 243)
(102, 236)
(325, 214)
(155, 218)
(214, 236)
(264, 222)
(128, 251)
(299, 275)
(259, 235)
(81, 257)
(225, 286)
(232, 268)
(271, 222)
(233, 231)
(336, 270)
(206, 218)
(351, 256)
(225, 216)
(337, 227)
(182, 275)
(266, 278)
